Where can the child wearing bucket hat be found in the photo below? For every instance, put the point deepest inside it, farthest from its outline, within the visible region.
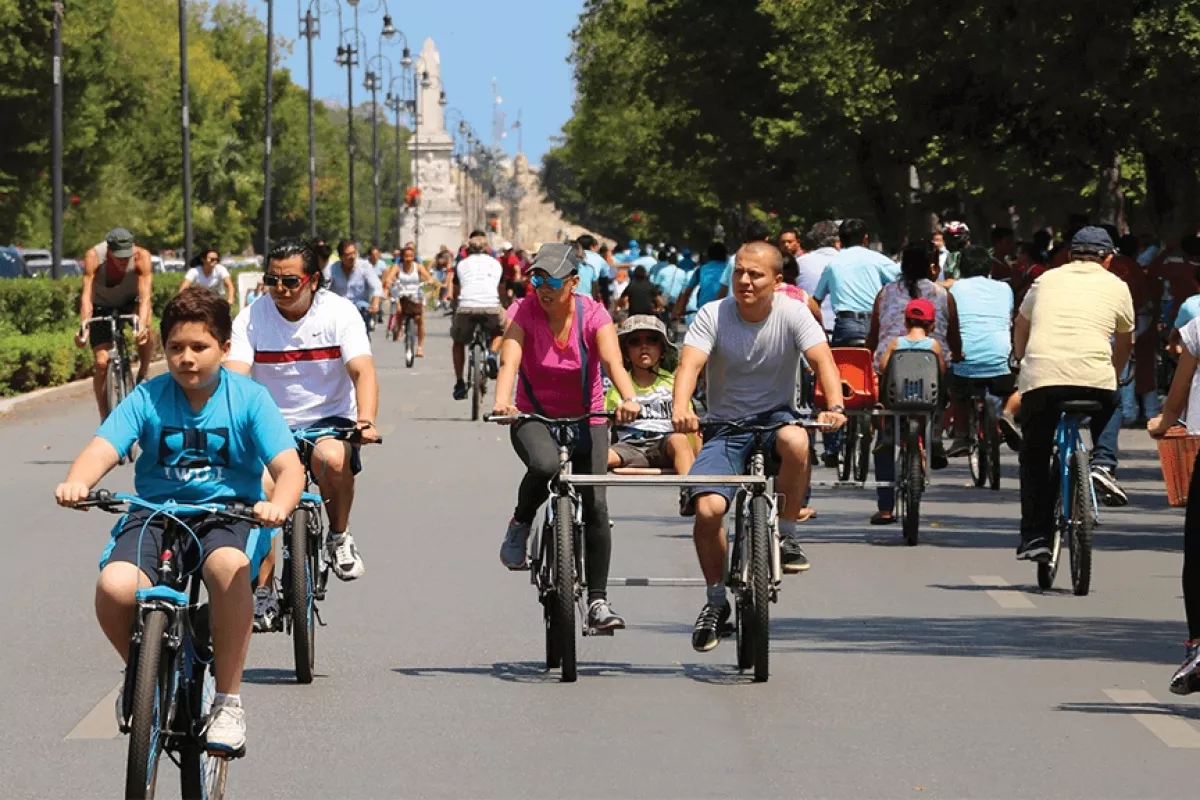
(650, 440)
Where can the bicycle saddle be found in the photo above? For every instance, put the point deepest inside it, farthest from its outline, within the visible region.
(1078, 406)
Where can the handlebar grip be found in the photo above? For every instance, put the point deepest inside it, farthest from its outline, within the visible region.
(239, 510)
(100, 497)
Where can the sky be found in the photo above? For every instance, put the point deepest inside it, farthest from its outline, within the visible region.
(523, 44)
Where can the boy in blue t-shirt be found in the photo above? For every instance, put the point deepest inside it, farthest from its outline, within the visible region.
(205, 435)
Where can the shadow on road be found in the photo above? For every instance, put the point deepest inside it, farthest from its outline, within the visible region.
(1162, 709)
(535, 672)
(271, 676)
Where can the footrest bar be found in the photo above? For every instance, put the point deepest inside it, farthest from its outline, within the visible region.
(656, 582)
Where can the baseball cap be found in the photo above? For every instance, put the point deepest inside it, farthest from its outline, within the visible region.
(1092, 239)
(556, 260)
(920, 310)
(642, 322)
(120, 243)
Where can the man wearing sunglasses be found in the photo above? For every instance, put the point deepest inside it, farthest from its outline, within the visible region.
(478, 286)
(310, 349)
(356, 280)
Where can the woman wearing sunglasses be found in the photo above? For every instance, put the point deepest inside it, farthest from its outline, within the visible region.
(551, 355)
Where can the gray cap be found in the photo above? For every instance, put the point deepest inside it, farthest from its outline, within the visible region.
(1092, 239)
(556, 260)
(642, 322)
(120, 243)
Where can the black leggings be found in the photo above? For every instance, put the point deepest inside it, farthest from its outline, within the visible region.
(1191, 555)
(537, 449)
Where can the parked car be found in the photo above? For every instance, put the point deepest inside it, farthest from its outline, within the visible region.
(37, 261)
(156, 263)
(11, 264)
(174, 265)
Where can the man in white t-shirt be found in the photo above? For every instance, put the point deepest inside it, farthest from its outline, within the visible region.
(476, 292)
(211, 275)
(309, 348)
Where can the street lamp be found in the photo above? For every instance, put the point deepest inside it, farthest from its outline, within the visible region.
(372, 84)
(187, 135)
(56, 148)
(310, 28)
(266, 218)
(347, 56)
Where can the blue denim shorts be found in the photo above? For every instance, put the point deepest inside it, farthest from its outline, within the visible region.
(726, 451)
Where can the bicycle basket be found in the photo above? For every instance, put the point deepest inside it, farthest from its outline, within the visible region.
(912, 381)
(1177, 452)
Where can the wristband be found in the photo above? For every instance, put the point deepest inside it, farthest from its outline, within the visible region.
(838, 409)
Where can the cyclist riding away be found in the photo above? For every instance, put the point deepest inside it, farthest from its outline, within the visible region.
(354, 279)
(117, 277)
(751, 344)
(211, 275)
(309, 348)
(1073, 336)
(478, 288)
(556, 342)
(402, 282)
(205, 435)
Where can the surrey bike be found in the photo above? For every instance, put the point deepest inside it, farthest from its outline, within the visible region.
(169, 685)
(305, 573)
(1075, 512)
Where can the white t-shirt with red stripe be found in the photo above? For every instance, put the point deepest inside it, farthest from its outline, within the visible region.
(303, 363)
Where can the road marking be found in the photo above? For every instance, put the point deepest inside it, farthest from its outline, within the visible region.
(100, 722)
(1173, 731)
(1004, 594)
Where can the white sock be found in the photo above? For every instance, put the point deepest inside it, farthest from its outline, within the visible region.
(232, 700)
(789, 528)
(337, 537)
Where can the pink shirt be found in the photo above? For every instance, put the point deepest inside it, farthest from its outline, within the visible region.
(553, 370)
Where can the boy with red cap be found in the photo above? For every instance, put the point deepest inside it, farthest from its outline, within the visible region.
(919, 319)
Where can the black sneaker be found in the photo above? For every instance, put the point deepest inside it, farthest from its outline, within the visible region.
(1110, 492)
(937, 457)
(493, 366)
(1187, 678)
(792, 555)
(830, 460)
(460, 390)
(1036, 549)
(707, 633)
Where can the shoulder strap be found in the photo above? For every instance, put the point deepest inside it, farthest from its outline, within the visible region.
(583, 355)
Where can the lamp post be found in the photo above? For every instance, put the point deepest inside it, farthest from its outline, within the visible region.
(56, 147)
(310, 28)
(347, 56)
(455, 133)
(371, 82)
(187, 135)
(266, 218)
(420, 81)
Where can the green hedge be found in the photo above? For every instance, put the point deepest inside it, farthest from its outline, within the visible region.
(38, 319)
(39, 305)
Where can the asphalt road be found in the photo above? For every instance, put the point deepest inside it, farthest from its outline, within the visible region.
(935, 671)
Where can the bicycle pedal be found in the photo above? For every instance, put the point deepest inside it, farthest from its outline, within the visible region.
(228, 755)
(317, 614)
(589, 631)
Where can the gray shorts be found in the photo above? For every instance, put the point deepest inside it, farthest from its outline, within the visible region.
(643, 452)
(463, 326)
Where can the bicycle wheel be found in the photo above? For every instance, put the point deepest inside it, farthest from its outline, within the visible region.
(912, 483)
(760, 586)
(992, 443)
(863, 454)
(298, 580)
(201, 776)
(743, 609)
(410, 343)
(564, 586)
(148, 722)
(846, 454)
(1083, 517)
(1047, 571)
(977, 458)
(476, 368)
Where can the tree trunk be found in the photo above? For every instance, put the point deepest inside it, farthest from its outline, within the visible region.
(1110, 202)
(1173, 189)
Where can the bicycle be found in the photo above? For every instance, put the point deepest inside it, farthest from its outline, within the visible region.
(410, 332)
(983, 431)
(305, 574)
(557, 569)
(169, 685)
(911, 477)
(1075, 512)
(854, 459)
(477, 376)
(118, 381)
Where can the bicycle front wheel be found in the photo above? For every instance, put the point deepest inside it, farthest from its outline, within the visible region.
(301, 600)
(201, 776)
(760, 585)
(476, 371)
(564, 586)
(863, 456)
(977, 458)
(992, 443)
(148, 724)
(912, 483)
(410, 343)
(1083, 517)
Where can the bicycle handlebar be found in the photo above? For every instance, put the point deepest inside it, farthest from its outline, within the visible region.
(549, 420)
(133, 318)
(351, 435)
(766, 427)
(118, 503)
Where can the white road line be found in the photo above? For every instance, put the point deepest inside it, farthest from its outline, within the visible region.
(100, 722)
(1173, 731)
(1003, 593)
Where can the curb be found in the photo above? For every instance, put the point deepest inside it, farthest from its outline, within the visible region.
(11, 404)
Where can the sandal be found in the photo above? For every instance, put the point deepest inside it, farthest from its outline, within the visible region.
(883, 518)
(807, 513)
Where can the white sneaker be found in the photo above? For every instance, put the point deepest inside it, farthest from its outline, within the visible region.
(344, 558)
(226, 733)
(266, 609)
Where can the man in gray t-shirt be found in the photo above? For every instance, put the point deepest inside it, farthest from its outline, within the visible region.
(751, 343)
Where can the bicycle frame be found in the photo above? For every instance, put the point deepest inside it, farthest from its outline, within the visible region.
(1067, 440)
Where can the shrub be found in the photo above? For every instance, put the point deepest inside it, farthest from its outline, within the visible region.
(42, 304)
(29, 362)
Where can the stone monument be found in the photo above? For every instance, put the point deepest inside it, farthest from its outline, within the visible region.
(438, 217)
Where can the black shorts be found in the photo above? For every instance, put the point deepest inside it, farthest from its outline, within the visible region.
(333, 422)
(961, 388)
(100, 333)
(137, 542)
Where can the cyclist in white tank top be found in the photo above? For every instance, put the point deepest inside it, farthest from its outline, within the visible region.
(402, 282)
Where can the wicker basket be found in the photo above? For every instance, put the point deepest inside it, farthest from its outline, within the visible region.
(1177, 454)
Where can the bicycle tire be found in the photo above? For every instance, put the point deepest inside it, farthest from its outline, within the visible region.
(410, 343)
(1047, 571)
(1083, 517)
(863, 455)
(977, 457)
(146, 734)
(474, 377)
(993, 444)
(912, 484)
(846, 453)
(564, 586)
(301, 600)
(742, 609)
(201, 776)
(760, 586)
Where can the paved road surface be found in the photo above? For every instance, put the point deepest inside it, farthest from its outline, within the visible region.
(936, 671)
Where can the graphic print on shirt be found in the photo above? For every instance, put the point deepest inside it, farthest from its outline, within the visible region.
(193, 454)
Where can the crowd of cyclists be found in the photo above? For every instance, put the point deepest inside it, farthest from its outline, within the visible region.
(649, 335)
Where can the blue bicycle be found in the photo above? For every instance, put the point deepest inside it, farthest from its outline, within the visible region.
(169, 685)
(1075, 501)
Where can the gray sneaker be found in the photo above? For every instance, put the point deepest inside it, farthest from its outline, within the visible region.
(512, 552)
(266, 609)
(601, 617)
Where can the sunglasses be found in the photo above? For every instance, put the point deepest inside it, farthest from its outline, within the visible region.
(638, 341)
(289, 282)
(539, 281)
